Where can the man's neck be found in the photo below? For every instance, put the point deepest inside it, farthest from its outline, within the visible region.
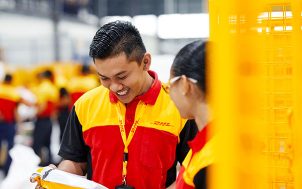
(148, 83)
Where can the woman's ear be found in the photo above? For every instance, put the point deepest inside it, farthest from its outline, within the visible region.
(185, 85)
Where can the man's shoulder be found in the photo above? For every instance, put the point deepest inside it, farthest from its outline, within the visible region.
(165, 102)
(164, 92)
(94, 94)
(165, 88)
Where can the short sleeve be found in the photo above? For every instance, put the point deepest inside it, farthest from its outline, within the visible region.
(73, 146)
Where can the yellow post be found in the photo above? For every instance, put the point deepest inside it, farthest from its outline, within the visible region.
(223, 77)
(255, 79)
(297, 75)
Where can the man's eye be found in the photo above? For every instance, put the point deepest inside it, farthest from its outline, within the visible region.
(123, 77)
(104, 78)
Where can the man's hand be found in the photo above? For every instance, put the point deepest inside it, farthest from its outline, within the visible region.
(78, 168)
(35, 178)
(39, 187)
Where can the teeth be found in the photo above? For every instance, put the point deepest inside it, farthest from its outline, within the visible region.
(122, 92)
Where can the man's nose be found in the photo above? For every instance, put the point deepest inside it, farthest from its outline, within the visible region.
(115, 86)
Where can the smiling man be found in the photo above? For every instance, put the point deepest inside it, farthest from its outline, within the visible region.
(126, 133)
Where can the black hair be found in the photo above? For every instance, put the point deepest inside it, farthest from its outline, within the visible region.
(85, 69)
(8, 78)
(63, 92)
(117, 37)
(191, 62)
(47, 74)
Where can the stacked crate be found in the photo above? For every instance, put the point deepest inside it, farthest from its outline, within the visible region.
(276, 30)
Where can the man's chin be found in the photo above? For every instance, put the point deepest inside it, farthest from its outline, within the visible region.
(125, 100)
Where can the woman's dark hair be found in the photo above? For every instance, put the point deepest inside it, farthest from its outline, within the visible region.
(117, 37)
(191, 62)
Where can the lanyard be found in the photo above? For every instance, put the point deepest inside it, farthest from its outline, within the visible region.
(126, 140)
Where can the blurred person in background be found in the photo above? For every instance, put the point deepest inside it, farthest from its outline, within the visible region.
(63, 109)
(126, 133)
(82, 83)
(10, 98)
(188, 91)
(47, 98)
(2, 69)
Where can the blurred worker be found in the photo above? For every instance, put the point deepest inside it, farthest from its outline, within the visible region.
(82, 83)
(2, 67)
(9, 100)
(47, 96)
(126, 133)
(188, 91)
(63, 109)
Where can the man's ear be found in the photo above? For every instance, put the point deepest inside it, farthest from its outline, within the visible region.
(146, 61)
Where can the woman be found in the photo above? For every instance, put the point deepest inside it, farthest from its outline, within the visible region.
(188, 91)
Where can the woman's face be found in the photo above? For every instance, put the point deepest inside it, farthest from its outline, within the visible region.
(179, 97)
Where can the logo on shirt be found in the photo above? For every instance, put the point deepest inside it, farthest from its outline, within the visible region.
(160, 123)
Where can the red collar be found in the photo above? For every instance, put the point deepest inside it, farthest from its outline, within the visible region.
(148, 97)
(200, 140)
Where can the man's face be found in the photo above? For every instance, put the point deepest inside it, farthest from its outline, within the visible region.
(126, 79)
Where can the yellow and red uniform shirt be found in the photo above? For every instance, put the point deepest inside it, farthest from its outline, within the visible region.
(47, 96)
(9, 99)
(79, 85)
(193, 173)
(93, 135)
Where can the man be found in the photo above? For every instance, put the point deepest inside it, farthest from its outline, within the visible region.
(10, 98)
(82, 83)
(47, 96)
(126, 133)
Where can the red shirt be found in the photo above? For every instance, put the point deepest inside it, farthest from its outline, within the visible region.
(9, 99)
(196, 145)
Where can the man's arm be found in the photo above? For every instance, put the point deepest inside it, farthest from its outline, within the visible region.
(172, 186)
(78, 168)
(73, 149)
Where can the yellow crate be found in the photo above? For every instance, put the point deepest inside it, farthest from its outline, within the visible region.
(281, 185)
(279, 145)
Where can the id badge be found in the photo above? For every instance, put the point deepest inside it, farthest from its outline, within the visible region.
(124, 187)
